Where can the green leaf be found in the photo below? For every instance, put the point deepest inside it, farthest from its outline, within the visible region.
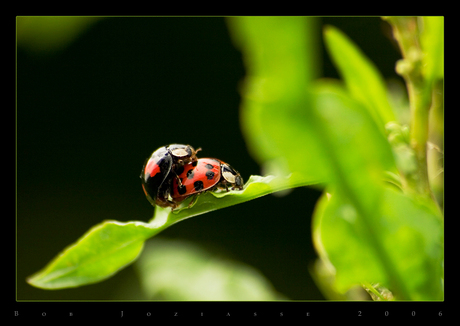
(432, 41)
(361, 76)
(256, 187)
(45, 34)
(279, 57)
(338, 136)
(289, 126)
(359, 155)
(97, 255)
(111, 245)
(399, 246)
(178, 270)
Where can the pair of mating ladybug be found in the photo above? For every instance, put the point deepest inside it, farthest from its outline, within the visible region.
(174, 173)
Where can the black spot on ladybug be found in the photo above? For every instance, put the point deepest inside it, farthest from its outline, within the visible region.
(190, 174)
(210, 175)
(181, 190)
(198, 185)
(194, 163)
(209, 166)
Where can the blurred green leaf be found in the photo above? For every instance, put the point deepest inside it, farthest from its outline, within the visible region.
(400, 245)
(432, 39)
(361, 76)
(323, 273)
(279, 55)
(338, 136)
(358, 153)
(178, 270)
(287, 123)
(50, 33)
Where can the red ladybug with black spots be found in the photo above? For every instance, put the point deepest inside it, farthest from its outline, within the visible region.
(160, 168)
(203, 175)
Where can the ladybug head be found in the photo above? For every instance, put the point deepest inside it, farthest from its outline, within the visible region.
(183, 154)
(232, 176)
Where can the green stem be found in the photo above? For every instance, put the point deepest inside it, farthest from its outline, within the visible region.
(371, 289)
(420, 102)
(410, 68)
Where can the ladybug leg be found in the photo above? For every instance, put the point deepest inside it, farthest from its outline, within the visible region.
(163, 202)
(179, 181)
(173, 206)
(234, 187)
(193, 201)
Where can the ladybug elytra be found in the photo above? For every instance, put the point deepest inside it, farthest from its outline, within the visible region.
(204, 175)
(160, 166)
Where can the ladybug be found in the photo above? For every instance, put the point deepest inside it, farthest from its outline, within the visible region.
(160, 167)
(203, 175)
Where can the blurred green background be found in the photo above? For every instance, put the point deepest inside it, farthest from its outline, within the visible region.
(92, 107)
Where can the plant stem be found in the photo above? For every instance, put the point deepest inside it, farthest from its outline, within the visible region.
(420, 103)
(406, 32)
(372, 290)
